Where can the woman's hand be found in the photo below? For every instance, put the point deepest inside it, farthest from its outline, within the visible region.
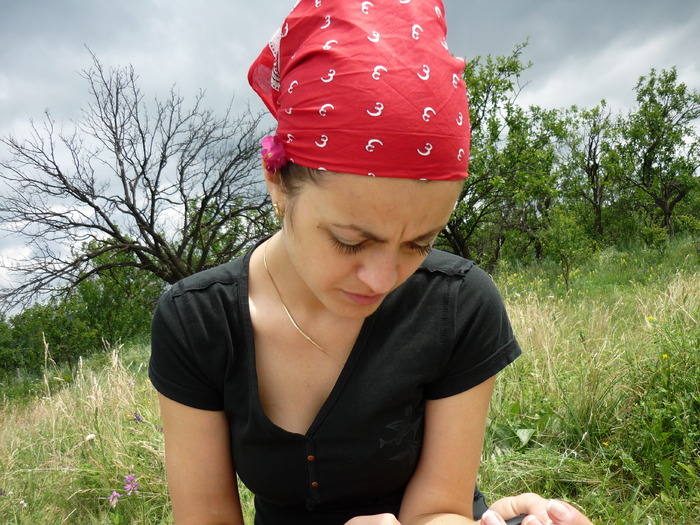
(377, 519)
(539, 511)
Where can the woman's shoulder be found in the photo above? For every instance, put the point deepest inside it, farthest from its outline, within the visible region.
(472, 279)
(447, 263)
(225, 274)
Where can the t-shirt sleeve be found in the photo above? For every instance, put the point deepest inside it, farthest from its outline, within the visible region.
(483, 341)
(183, 364)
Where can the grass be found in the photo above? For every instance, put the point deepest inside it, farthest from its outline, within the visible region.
(602, 408)
(64, 454)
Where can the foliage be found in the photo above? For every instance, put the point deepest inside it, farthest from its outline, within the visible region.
(621, 179)
(663, 420)
(9, 359)
(657, 150)
(54, 332)
(565, 239)
(494, 86)
(119, 302)
(587, 176)
(113, 306)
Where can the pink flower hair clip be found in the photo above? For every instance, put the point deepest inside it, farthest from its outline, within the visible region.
(273, 154)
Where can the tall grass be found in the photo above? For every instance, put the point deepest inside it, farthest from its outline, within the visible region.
(604, 406)
(62, 456)
(602, 409)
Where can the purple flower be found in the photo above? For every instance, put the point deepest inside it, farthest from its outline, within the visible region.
(131, 486)
(138, 418)
(273, 154)
(114, 499)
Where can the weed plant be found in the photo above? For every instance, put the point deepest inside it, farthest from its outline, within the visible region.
(602, 409)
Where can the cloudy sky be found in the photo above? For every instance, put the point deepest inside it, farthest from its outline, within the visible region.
(582, 51)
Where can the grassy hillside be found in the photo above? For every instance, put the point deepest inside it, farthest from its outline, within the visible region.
(602, 409)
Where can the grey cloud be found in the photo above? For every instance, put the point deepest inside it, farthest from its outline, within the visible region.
(209, 45)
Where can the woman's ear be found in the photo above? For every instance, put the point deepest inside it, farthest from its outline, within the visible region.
(274, 185)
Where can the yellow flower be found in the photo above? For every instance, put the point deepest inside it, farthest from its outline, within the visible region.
(606, 444)
(650, 319)
(664, 356)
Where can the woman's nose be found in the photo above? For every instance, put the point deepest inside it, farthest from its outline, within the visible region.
(379, 272)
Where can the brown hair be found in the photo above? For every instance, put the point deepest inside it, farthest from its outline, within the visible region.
(294, 176)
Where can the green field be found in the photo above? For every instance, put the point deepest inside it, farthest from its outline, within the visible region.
(603, 408)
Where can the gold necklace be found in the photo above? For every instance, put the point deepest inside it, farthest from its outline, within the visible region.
(286, 310)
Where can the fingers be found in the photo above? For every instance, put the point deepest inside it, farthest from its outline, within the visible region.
(557, 513)
(527, 503)
(539, 511)
(561, 513)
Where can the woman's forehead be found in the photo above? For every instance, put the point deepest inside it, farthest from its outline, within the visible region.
(366, 202)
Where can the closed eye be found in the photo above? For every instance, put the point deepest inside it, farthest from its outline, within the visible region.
(346, 248)
(421, 249)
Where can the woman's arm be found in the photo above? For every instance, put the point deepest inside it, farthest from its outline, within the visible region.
(442, 487)
(198, 463)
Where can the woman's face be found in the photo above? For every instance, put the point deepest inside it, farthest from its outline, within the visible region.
(352, 239)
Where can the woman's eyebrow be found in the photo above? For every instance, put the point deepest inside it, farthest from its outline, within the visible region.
(426, 237)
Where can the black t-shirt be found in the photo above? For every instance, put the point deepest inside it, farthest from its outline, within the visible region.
(440, 333)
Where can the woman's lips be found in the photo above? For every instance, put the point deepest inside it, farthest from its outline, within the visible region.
(364, 300)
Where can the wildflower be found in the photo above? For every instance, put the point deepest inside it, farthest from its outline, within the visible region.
(138, 418)
(606, 444)
(90, 437)
(131, 486)
(650, 319)
(114, 499)
(273, 153)
(23, 504)
(664, 356)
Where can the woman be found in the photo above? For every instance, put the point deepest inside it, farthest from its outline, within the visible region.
(342, 368)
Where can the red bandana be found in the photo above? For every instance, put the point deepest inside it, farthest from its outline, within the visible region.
(367, 87)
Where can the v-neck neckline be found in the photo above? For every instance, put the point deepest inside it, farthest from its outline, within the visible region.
(336, 391)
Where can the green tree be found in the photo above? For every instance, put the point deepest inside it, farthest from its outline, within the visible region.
(493, 84)
(533, 163)
(658, 153)
(118, 302)
(588, 176)
(10, 358)
(566, 241)
(55, 331)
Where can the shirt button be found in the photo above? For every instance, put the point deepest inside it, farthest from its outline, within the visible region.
(311, 458)
(314, 484)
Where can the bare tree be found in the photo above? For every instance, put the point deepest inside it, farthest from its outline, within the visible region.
(160, 187)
